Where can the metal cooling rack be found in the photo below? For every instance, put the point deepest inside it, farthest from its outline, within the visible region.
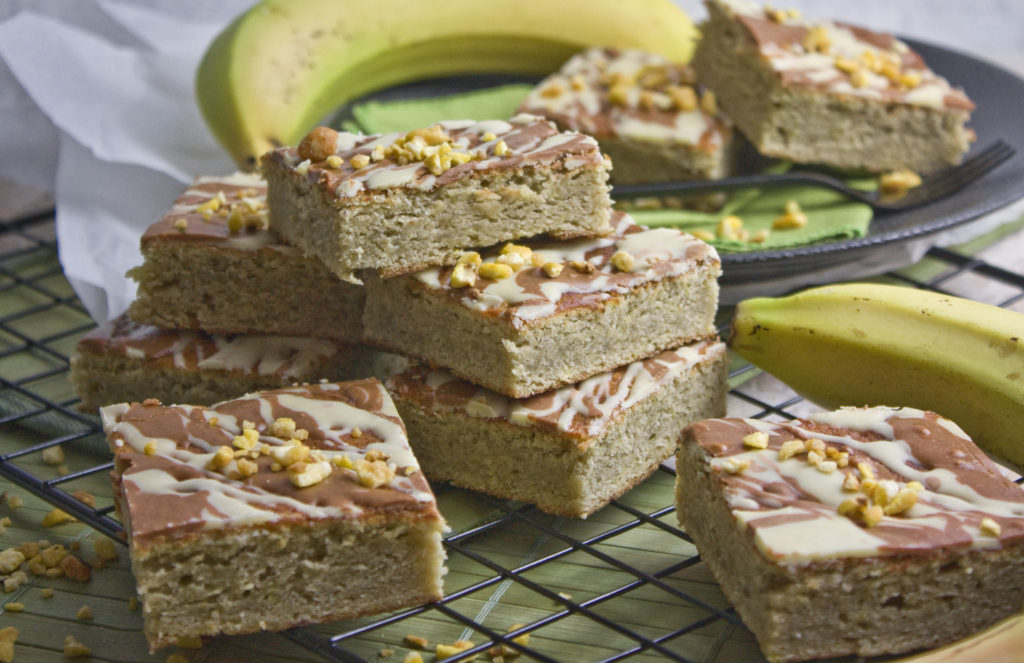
(626, 583)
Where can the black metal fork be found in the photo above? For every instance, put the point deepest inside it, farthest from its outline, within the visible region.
(935, 186)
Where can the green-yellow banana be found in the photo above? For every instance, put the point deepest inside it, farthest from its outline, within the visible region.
(870, 344)
(284, 65)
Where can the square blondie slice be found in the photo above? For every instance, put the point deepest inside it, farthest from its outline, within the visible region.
(534, 316)
(569, 451)
(817, 91)
(127, 361)
(405, 201)
(862, 531)
(212, 264)
(647, 113)
(294, 506)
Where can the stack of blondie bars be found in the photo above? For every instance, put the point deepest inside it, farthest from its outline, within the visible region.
(552, 349)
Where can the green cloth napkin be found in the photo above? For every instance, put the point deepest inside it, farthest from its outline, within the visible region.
(494, 103)
(830, 215)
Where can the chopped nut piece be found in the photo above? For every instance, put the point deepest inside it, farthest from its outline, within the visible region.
(318, 144)
(14, 581)
(246, 467)
(910, 79)
(735, 465)
(618, 95)
(552, 269)
(898, 182)
(52, 556)
(582, 266)
(790, 448)
(551, 91)
(150, 448)
(760, 236)
(817, 39)
(990, 527)
(827, 466)
(247, 440)
(105, 549)
(848, 506)
(56, 517)
(684, 97)
(342, 460)
(915, 486)
(443, 651)
(513, 260)
(84, 613)
(10, 560)
(729, 227)
(220, 459)
(417, 641)
(846, 65)
(789, 221)
(843, 459)
(756, 440)
(495, 271)
(865, 471)
(704, 235)
(15, 606)
(903, 500)
(46, 592)
(463, 275)
(850, 483)
(308, 474)
(14, 502)
(373, 474)
(622, 261)
(873, 515)
(8, 636)
(282, 427)
(412, 657)
(384, 653)
(814, 458)
(487, 136)
(289, 454)
(501, 149)
(334, 161)
(859, 78)
(75, 568)
(75, 649)
(53, 455)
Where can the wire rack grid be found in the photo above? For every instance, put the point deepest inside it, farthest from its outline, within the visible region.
(625, 583)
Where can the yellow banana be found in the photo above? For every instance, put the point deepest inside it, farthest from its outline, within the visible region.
(282, 66)
(870, 344)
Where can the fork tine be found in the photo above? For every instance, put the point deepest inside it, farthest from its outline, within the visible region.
(955, 178)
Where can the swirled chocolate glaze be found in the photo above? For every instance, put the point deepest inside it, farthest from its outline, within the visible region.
(577, 98)
(187, 222)
(530, 141)
(530, 294)
(163, 453)
(580, 412)
(790, 507)
(286, 357)
(781, 41)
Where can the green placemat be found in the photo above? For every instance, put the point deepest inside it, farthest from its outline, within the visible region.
(830, 215)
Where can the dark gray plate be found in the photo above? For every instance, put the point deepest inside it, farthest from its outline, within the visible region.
(894, 238)
(999, 96)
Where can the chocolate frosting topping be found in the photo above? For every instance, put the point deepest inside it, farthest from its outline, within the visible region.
(164, 456)
(792, 507)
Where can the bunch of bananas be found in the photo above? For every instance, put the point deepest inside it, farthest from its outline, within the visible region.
(870, 344)
(284, 65)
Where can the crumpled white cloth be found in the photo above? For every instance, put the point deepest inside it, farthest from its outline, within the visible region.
(97, 107)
